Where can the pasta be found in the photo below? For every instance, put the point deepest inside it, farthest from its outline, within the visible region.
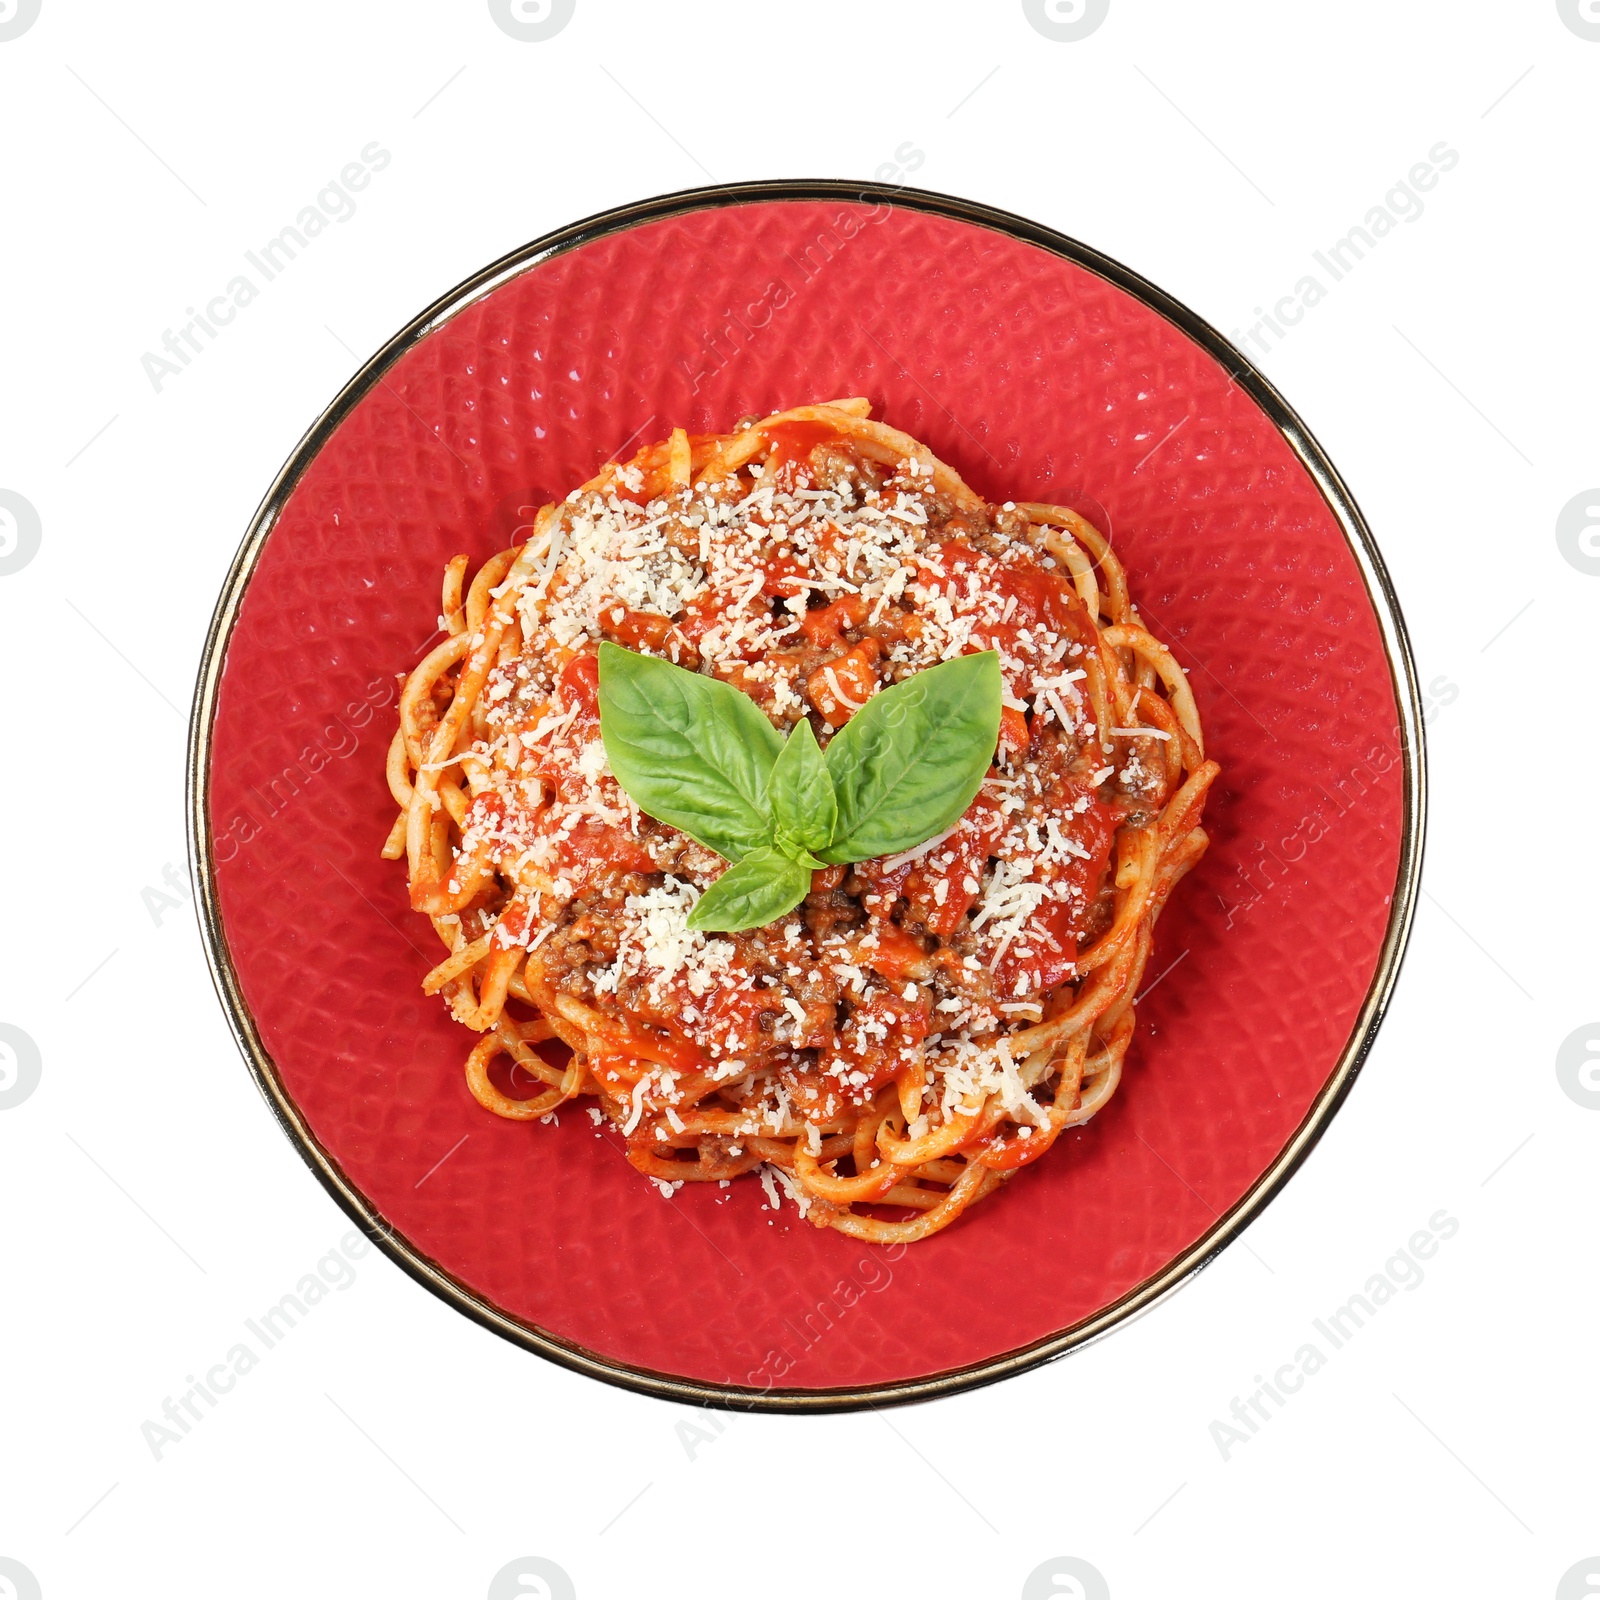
(920, 1027)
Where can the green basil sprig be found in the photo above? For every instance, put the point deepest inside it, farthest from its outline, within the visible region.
(695, 753)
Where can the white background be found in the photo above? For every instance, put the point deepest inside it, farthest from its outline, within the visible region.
(150, 1203)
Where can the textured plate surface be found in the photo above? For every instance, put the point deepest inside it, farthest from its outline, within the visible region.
(1036, 378)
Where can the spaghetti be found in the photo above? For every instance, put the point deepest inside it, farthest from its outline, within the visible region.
(920, 1027)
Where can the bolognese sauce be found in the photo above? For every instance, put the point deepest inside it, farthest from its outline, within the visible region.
(919, 1026)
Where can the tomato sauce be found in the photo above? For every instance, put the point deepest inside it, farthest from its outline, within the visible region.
(796, 440)
(993, 913)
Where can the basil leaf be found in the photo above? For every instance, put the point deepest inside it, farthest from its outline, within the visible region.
(909, 762)
(692, 751)
(803, 806)
(756, 891)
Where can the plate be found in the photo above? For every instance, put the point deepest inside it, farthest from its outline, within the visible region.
(1040, 369)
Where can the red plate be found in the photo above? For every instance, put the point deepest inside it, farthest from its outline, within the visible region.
(1040, 370)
